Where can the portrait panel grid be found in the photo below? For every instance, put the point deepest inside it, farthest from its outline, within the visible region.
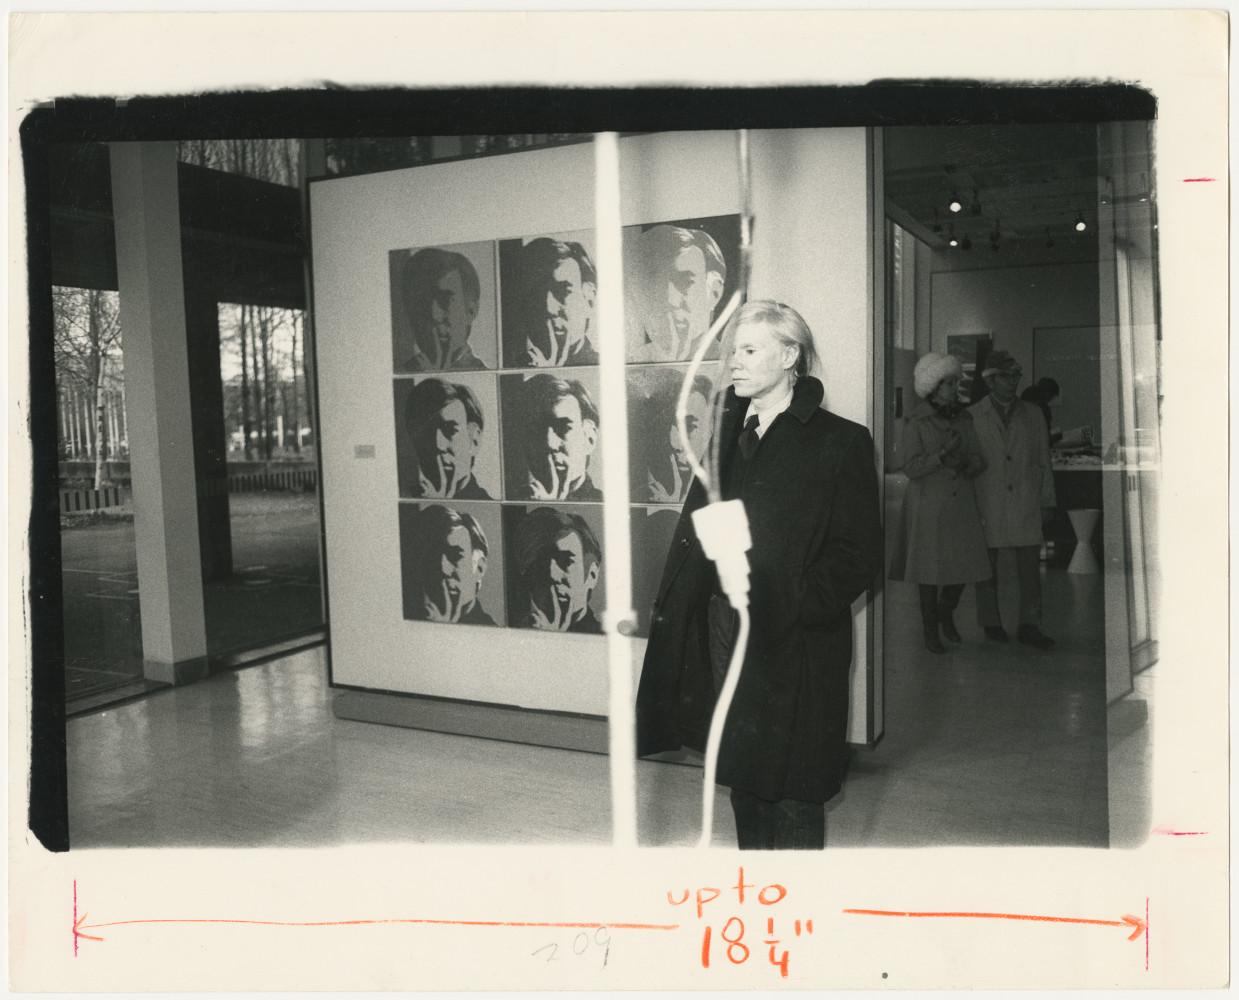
(534, 485)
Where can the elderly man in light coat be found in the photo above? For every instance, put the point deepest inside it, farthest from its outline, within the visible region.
(1015, 494)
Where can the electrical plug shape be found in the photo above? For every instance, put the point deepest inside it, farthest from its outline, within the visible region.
(723, 529)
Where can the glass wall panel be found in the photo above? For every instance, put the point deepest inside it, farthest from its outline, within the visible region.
(995, 614)
(274, 589)
(102, 627)
(274, 160)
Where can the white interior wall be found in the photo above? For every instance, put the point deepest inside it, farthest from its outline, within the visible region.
(926, 261)
(1010, 302)
(811, 205)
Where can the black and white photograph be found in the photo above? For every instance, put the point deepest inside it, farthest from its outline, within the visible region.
(971, 349)
(554, 567)
(652, 529)
(995, 515)
(312, 372)
(451, 561)
(447, 437)
(548, 290)
(677, 276)
(1000, 507)
(552, 436)
(443, 308)
(660, 471)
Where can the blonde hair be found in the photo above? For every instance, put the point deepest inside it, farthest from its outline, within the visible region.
(787, 326)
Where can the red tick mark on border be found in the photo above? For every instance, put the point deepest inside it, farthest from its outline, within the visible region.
(1166, 831)
(1199, 180)
(1146, 933)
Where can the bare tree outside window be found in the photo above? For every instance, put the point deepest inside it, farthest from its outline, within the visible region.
(262, 364)
(274, 160)
(90, 376)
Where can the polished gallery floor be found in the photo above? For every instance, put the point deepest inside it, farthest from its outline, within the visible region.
(989, 744)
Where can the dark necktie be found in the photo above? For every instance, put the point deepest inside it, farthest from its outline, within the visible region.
(749, 438)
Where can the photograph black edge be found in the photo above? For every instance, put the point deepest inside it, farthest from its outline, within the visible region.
(336, 111)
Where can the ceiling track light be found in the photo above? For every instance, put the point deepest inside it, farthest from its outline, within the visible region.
(951, 240)
(955, 205)
(1081, 225)
(976, 202)
(965, 243)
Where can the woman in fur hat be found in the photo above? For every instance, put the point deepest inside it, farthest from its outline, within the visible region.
(941, 545)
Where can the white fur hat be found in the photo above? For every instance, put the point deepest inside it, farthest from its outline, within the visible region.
(932, 369)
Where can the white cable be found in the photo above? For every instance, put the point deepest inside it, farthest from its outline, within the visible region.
(681, 405)
(722, 527)
(715, 738)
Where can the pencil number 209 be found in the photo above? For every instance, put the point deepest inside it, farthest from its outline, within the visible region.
(582, 943)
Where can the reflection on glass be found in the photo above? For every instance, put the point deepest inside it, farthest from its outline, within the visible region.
(275, 160)
(102, 633)
(270, 588)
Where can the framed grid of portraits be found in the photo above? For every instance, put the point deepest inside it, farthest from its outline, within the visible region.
(473, 306)
(525, 434)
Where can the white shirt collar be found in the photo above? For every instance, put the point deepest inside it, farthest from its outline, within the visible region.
(766, 415)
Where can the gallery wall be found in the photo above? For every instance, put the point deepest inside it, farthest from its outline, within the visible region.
(1009, 303)
(387, 632)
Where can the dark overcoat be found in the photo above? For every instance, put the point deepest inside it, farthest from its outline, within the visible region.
(811, 496)
(940, 539)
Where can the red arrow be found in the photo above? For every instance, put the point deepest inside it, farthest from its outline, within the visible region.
(77, 931)
(586, 924)
(1138, 925)
(80, 925)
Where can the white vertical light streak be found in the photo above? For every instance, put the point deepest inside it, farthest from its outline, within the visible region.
(619, 619)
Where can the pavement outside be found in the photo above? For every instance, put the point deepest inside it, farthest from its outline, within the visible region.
(274, 592)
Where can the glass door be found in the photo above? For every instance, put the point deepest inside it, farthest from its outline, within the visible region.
(1131, 387)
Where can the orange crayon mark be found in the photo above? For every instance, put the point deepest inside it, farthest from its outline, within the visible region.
(79, 933)
(1136, 924)
(80, 926)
